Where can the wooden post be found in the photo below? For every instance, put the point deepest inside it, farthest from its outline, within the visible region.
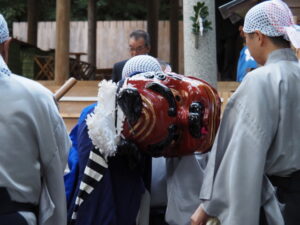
(92, 30)
(32, 21)
(174, 35)
(62, 41)
(152, 25)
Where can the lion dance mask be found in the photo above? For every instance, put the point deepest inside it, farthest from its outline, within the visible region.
(169, 114)
(161, 114)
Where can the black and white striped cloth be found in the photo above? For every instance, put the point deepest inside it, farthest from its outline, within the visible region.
(93, 173)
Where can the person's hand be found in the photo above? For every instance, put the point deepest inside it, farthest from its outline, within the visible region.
(200, 217)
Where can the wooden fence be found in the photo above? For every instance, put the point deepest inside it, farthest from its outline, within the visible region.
(112, 39)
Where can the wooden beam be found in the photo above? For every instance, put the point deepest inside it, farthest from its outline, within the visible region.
(152, 25)
(174, 35)
(92, 31)
(32, 21)
(293, 3)
(62, 41)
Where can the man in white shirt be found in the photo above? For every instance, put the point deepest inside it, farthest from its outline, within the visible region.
(34, 148)
(258, 142)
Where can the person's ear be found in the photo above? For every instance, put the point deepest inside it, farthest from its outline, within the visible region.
(4, 50)
(260, 37)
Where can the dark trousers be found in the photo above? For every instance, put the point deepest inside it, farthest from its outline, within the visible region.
(12, 219)
(288, 193)
(9, 209)
(262, 219)
(157, 216)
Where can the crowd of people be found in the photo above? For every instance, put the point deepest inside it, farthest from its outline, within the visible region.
(250, 176)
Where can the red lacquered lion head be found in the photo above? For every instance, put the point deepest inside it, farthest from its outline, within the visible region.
(169, 114)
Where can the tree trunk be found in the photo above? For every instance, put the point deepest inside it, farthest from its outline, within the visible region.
(152, 25)
(92, 32)
(32, 21)
(174, 34)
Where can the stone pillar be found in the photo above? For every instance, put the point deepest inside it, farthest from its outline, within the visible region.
(200, 62)
(62, 41)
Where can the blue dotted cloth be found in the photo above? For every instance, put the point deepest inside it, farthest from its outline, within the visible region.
(4, 71)
(4, 36)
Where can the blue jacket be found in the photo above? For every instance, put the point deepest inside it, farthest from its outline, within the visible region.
(116, 198)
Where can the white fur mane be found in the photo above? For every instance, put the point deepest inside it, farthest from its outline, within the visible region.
(101, 124)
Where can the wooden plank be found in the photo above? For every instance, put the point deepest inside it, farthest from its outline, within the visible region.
(78, 99)
(79, 83)
(82, 88)
(225, 90)
(70, 115)
(225, 96)
(70, 123)
(74, 107)
(227, 85)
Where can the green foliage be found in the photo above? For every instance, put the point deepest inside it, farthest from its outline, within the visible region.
(128, 9)
(118, 9)
(200, 11)
(13, 10)
(78, 10)
(16, 10)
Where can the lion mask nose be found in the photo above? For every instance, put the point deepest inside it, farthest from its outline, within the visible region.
(130, 102)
